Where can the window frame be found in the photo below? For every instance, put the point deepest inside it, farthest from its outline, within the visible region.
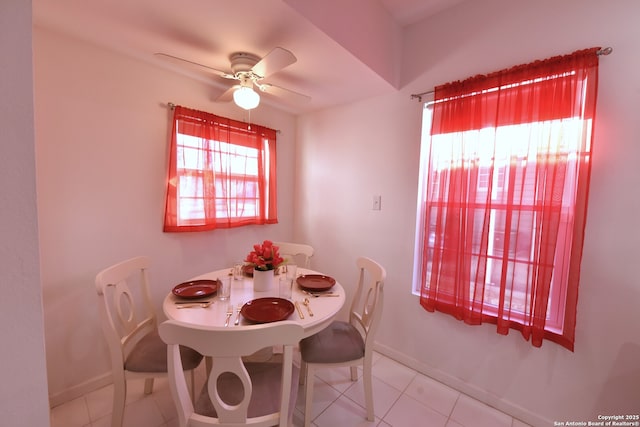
(557, 296)
(233, 168)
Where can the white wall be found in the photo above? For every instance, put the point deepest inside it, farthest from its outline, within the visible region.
(101, 125)
(101, 143)
(348, 154)
(23, 389)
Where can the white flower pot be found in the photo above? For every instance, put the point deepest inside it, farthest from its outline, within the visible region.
(263, 280)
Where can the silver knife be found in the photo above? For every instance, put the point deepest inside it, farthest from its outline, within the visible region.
(193, 302)
(317, 294)
(237, 322)
(299, 309)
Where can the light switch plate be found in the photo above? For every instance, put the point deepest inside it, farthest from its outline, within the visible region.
(377, 203)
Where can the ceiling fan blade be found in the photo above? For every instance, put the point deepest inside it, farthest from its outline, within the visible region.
(273, 62)
(285, 94)
(194, 65)
(227, 95)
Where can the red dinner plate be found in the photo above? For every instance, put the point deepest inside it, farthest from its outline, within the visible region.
(316, 282)
(265, 310)
(196, 288)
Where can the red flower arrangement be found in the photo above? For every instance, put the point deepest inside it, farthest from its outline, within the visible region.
(265, 256)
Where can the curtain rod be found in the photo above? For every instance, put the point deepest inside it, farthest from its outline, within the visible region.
(171, 106)
(603, 51)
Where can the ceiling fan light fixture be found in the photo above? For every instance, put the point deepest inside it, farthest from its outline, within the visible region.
(245, 97)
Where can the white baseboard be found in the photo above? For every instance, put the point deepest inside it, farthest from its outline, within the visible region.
(466, 388)
(80, 390)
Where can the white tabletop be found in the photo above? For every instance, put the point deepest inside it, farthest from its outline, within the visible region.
(324, 308)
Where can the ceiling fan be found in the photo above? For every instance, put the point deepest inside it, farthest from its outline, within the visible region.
(250, 70)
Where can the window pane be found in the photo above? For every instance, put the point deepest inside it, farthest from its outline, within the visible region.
(236, 196)
(191, 208)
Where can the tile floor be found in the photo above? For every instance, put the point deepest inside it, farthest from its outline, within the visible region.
(402, 398)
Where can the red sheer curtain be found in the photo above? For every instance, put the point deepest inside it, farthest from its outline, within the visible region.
(222, 173)
(506, 196)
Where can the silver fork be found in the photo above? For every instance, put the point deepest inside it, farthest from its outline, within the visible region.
(195, 304)
(229, 314)
(237, 322)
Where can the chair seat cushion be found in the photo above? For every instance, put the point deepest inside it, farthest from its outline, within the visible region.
(150, 355)
(339, 342)
(265, 399)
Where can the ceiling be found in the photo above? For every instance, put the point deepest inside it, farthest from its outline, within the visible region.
(339, 58)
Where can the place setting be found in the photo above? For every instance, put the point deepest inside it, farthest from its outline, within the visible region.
(313, 285)
(316, 285)
(192, 294)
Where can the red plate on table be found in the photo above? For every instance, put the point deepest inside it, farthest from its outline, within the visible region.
(316, 282)
(265, 310)
(196, 288)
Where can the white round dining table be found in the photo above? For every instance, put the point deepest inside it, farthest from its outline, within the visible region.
(324, 308)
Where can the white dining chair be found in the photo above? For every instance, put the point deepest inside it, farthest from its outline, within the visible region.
(294, 252)
(236, 392)
(348, 343)
(130, 328)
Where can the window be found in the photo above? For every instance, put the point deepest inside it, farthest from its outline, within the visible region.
(502, 202)
(221, 174)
